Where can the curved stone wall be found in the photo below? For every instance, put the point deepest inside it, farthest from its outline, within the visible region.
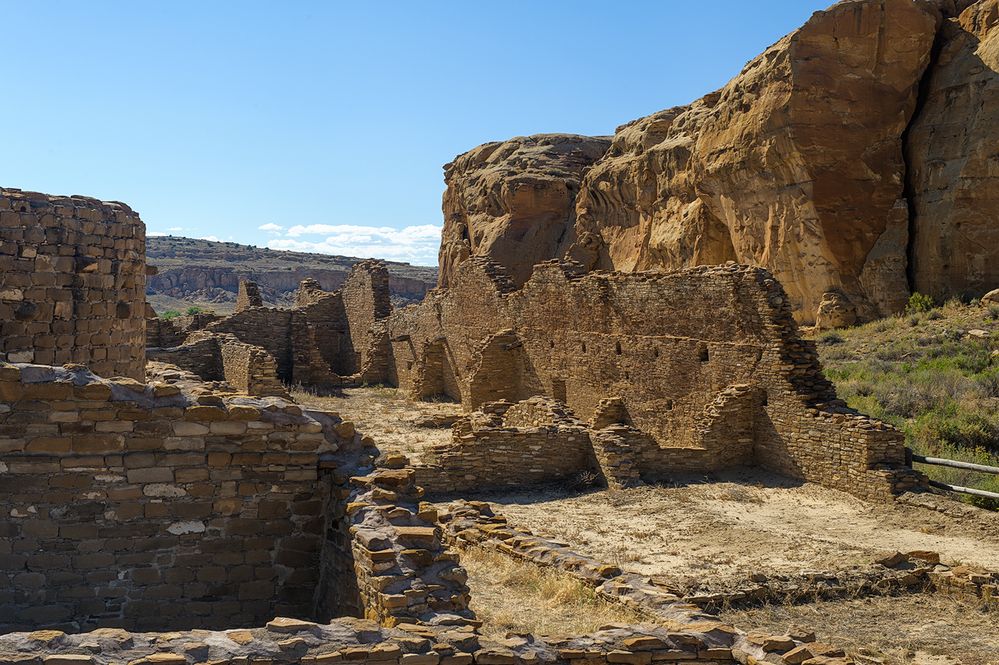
(72, 283)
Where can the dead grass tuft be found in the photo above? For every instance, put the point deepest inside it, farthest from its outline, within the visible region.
(902, 630)
(512, 596)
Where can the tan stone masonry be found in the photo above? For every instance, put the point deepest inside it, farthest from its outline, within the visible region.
(72, 282)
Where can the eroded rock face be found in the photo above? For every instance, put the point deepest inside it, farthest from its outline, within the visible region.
(857, 159)
(514, 202)
(795, 165)
(953, 149)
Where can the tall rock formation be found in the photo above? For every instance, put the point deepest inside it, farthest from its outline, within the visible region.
(795, 165)
(857, 159)
(953, 150)
(514, 201)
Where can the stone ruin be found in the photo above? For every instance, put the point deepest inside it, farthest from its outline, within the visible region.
(189, 494)
(72, 283)
(328, 339)
(642, 375)
(151, 498)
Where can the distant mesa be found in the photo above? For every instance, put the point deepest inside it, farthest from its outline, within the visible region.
(193, 271)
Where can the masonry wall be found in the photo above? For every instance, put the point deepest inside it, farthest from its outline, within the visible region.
(366, 300)
(163, 333)
(72, 282)
(267, 327)
(326, 336)
(672, 347)
(199, 354)
(145, 507)
(323, 324)
(507, 446)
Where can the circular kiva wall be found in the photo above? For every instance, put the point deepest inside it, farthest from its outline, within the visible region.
(72, 283)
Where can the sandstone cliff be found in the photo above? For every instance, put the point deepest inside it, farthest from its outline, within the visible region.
(953, 150)
(795, 165)
(514, 201)
(852, 158)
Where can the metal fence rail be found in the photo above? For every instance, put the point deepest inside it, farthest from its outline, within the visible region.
(967, 466)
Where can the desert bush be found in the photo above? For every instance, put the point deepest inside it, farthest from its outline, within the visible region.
(883, 325)
(580, 481)
(831, 338)
(194, 309)
(170, 314)
(993, 312)
(919, 302)
(940, 388)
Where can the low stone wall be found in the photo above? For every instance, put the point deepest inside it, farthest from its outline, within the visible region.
(403, 570)
(248, 369)
(285, 641)
(163, 333)
(199, 354)
(145, 506)
(487, 453)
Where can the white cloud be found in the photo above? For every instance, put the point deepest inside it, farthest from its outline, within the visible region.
(271, 227)
(211, 238)
(156, 234)
(175, 228)
(414, 244)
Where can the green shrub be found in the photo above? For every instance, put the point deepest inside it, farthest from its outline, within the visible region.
(191, 311)
(170, 314)
(831, 338)
(994, 312)
(919, 302)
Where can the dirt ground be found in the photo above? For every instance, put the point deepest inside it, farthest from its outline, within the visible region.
(396, 424)
(923, 629)
(710, 536)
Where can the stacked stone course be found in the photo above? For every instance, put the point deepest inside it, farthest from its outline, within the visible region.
(288, 641)
(507, 446)
(706, 363)
(126, 498)
(72, 282)
(248, 296)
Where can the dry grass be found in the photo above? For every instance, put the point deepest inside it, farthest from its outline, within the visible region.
(385, 415)
(512, 596)
(895, 631)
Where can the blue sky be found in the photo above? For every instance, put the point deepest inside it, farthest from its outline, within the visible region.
(323, 126)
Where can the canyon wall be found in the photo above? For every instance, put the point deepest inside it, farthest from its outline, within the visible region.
(514, 201)
(852, 159)
(954, 159)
